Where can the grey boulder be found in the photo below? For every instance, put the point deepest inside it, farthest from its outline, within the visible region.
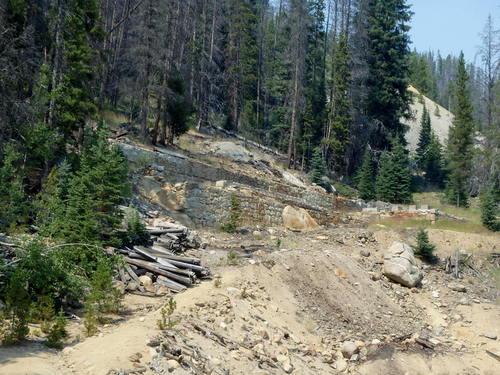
(400, 265)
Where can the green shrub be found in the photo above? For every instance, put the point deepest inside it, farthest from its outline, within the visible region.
(102, 294)
(136, 229)
(424, 249)
(90, 320)
(14, 318)
(232, 257)
(57, 332)
(166, 320)
(232, 222)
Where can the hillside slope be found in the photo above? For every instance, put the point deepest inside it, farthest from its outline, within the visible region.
(441, 119)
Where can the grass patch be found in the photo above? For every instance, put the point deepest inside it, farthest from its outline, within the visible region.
(113, 118)
(442, 224)
(435, 200)
(345, 190)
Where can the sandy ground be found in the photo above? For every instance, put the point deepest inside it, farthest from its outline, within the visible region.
(302, 299)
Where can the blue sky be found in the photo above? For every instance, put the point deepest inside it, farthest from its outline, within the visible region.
(451, 25)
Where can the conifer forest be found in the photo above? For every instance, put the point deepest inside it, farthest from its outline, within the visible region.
(324, 83)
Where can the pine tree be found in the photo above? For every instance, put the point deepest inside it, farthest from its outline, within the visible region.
(394, 178)
(314, 79)
(424, 139)
(75, 96)
(339, 116)
(318, 167)
(366, 178)
(83, 206)
(460, 141)
(490, 203)
(242, 55)
(424, 249)
(52, 200)
(13, 202)
(388, 99)
(433, 163)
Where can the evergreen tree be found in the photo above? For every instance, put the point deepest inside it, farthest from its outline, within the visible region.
(424, 139)
(424, 249)
(318, 167)
(314, 79)
(52, 200)
(75, 96)
(366, 178)
(13, 202)
(490, 203)
(388, 40)
(83, 206)
(339, 115)
(394, 178)
(460, 141)
(433, 163)
(241, 64)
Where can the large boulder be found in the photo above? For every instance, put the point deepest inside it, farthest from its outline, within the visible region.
(231, 150)
(298, 219)
(400, 265)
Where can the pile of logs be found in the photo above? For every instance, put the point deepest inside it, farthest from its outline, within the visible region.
(163, 261)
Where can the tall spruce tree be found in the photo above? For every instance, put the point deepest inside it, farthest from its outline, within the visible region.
(339, 115)
(460, 141)
(314, 80)
(388, 51)
(394, 178)
(433, 163)
(318, 167)
(241, 64)
(75, 96)
(366, 178)
(424, 139)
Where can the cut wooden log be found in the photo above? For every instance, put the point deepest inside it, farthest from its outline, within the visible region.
(134, 277)
(159, 271)
(159, 231)
(154, 255)
(172, 285)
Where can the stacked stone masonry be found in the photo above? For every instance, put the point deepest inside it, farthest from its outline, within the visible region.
(207, 190)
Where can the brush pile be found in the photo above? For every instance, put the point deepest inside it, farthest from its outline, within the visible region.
(162, 263)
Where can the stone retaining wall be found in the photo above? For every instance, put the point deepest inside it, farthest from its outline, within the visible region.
(203, 192)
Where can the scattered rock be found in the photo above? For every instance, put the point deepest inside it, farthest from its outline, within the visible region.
(119, 286)
(154, 342)
(464, 301)
(435, 294)
(221, 184)
(365, 253)
(348, 348)
(172, 365)
(298, 219)
(132, 286)
(400, 265)
(341, 365)
(490, 335)
(457, 287)
(135, 357)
